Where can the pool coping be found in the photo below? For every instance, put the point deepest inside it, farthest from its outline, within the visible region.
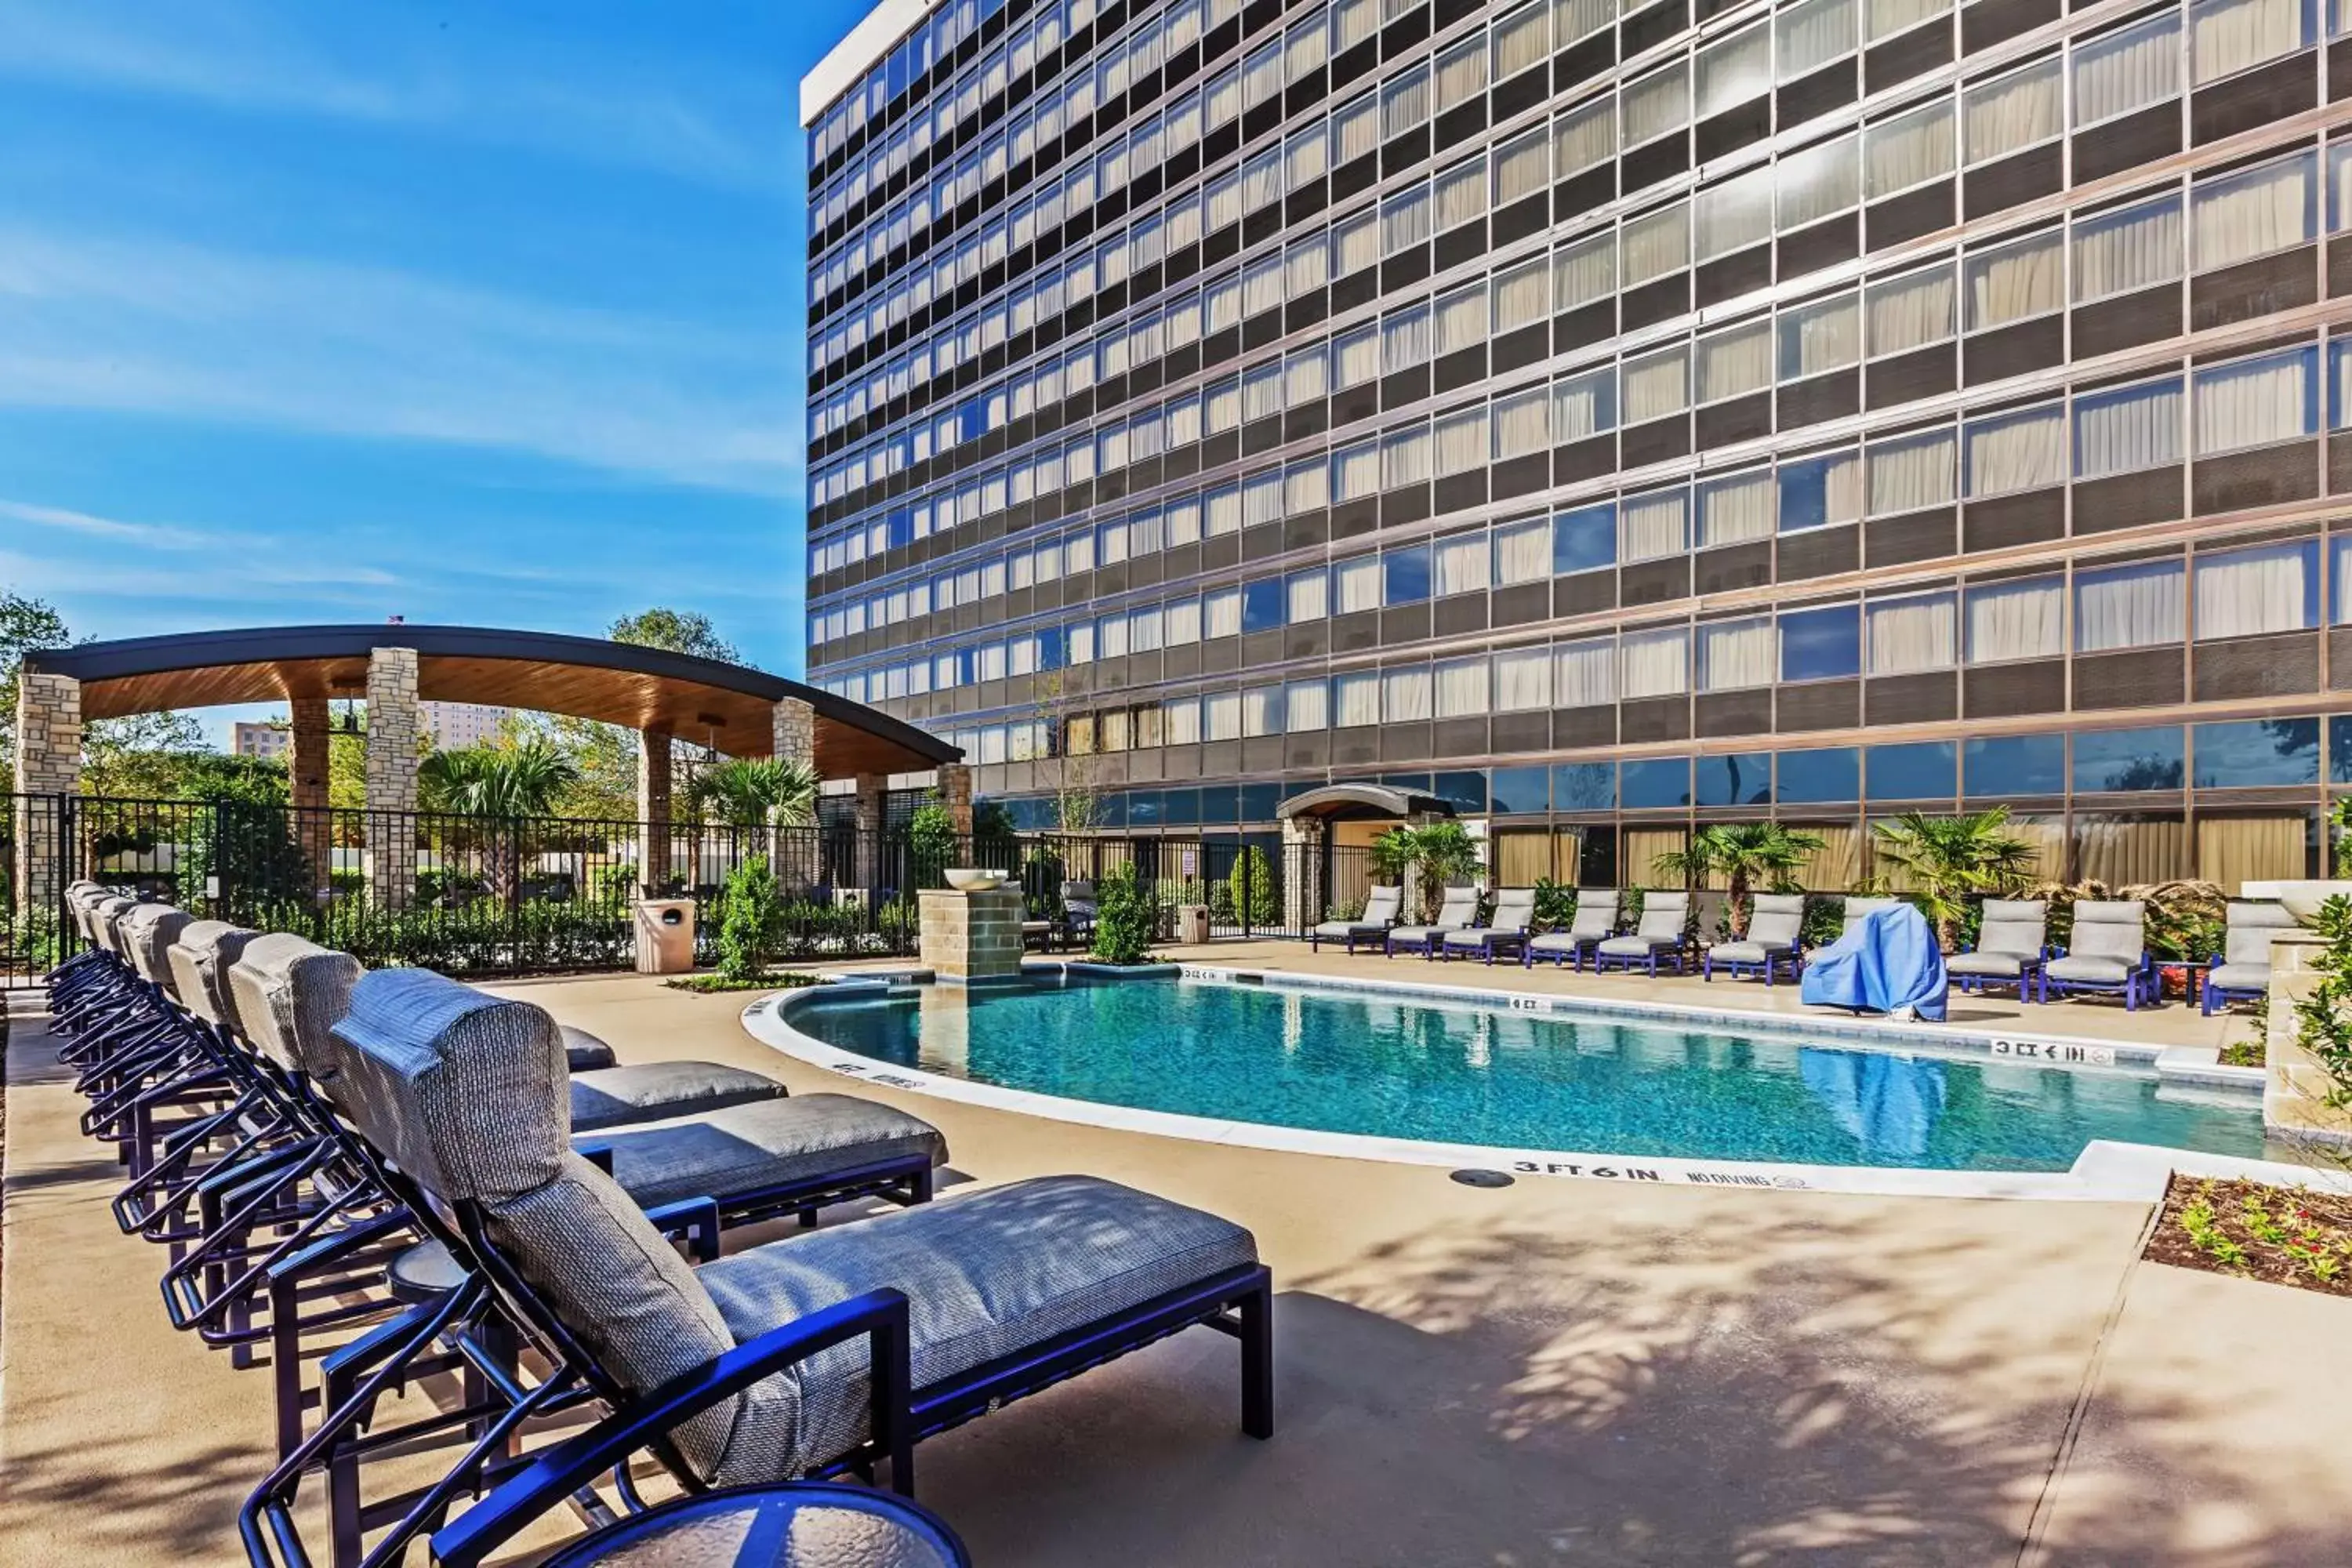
(2106, 1171)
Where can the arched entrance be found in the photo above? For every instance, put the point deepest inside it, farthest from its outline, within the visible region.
(1326, 836)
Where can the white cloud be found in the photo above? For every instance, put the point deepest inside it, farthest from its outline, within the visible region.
(450, 72)
(160, 326)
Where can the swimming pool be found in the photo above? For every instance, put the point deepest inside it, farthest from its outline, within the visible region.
(1428, 1069)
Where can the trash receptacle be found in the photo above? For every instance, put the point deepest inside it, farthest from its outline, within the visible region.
(665, 936)
(1192, 924)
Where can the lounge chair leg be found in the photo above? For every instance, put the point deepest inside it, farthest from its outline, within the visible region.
(1257, 1362)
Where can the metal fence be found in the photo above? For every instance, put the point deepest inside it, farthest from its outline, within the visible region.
(471, 895)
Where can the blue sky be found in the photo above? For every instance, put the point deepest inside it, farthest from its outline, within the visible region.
(481, 313)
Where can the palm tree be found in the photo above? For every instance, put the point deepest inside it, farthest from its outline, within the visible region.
(755, 792)
(1441, 852)
(1742, 854)
(1945, 858)
(504, 783)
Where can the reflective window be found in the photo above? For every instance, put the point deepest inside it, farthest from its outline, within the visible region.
(2257, 753)
(2014, 765)
(1593, 786)
(1827, 774)
(1821, 645)
(1521, 789)
(2125, 760)
(1658, 782)
(1743, 778)
(1923, 770)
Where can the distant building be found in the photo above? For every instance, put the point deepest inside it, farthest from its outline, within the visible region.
(263, 741)
(454, 726)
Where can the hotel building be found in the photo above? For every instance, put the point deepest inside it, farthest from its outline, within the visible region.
(1608, 421)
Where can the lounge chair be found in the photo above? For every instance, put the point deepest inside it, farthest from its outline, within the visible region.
(2012, 946)
(1381, 908)
(2108, 952)
(1595, 920)
(1856, 908)
(1774, 940)
(1454, 912)
(1658, 934)
(1506, 931)
(813, 1356)
(1079, 906)
(2241, 971)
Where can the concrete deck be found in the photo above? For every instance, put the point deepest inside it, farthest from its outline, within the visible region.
(1551, 1374)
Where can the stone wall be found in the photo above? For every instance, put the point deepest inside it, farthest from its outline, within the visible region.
(955, 793)
(392, 719)
(654, 764)
(49, 762)
(795, 732)
(971, 936)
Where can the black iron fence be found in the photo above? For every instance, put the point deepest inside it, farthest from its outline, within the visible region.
(469, 895)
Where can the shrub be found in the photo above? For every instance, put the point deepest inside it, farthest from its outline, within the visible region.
(1125, 920)
(931, 844)
(1252, 888)
(749, 920)
(1221, 904)
(1555, 905)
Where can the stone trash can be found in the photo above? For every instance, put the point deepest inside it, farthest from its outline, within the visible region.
(665, 936)
(1192, 924)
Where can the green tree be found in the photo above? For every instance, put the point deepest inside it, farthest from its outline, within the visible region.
(1743, 855)
(1943, 861)
(755, 792)
(490, 781)
(931, 844)
(679, 631)
(1443, 853)
(751, 919)
(1125, 920)
(1252, 880)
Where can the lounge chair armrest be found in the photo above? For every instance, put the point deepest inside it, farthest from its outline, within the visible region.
(879, 1316)
(697, 1219)
(597, 1154)
(337, 1244)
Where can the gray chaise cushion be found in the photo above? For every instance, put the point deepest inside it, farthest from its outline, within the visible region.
(1744, 952)
(764, 1143)
(2242, 976)
(1663, 915)
(201, 960)
(1857, 907)
(987, 1274)
(106, 923)
(583, 1052)
(289, 992)
(647, 1091)
(1986, 965)
(2092, 970)
(2109, 942)
(148, 932)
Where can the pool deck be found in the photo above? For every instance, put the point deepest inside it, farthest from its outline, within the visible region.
(1555, 1373)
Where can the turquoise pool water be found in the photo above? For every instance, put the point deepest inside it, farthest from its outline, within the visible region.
(1358, 1063)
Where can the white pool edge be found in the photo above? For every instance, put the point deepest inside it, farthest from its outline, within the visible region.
(2106, 1171)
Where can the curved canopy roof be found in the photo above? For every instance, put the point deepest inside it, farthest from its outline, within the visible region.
(730, 706)
(1356, 802)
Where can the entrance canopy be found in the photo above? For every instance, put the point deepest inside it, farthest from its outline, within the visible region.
(725, 705)
(1361, 803)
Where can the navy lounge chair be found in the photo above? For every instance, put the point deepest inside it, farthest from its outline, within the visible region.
(1505, 932)
(1454, 912)
(1594, 921)
(1380, 909)
(1659, 934)
(2107, 954)
(1774, 943)
(2241, 971)
(2011, 947)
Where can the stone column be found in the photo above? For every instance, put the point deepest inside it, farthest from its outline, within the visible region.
(968, 936)
(49, 762)
(393, 716)
(955, 793)
(794, 854)
(306, 766)
(1301, 872)
(2298, 1090)
(869, 810)
(653, 863)
(795, 732)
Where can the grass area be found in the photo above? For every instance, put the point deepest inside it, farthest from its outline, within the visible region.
(712, 985)
(2285, 1235)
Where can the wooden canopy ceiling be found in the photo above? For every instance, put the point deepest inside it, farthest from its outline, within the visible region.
(698, 700)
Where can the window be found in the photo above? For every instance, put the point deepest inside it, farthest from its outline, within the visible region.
(1656, 104)
(1458, 319)
(1221, 716)
(1818, 181)
(1307, 705)
(1820, 337)
(1897, 155)
(2256, 402)
(1405, 457)
(2137, 247)
(1521, 40)
(2257, 753)
(1459, 194)
(1263, 604)
(1461, 72)
(2013, 112)
(1734, 654)
(1522, 423)
(1180, 722)
(1523, 680)
(1221, 613)
(1356, 472)
(1829, 773)
(2017, 452)
(1584, 405)
(1658, 244)
(2128, 429)
(1814, 33)
(2016, 280)
(1818, 491)
(1463, 689)
(2253, 212)
(1584, 674)
(1358, 583)
(1656, 784)
(1737, 362)
(2013, 765)
(1737, 509)
(1404, 103)
(1461, 564)
(2229, 35)
(2249, 593)
(1404, 575)
(1584, 272)
(2127, 69)
(1308, 597)
(1262, 711)
(1585, 539)
(2138, 606)
(1821, 645)
(2014, 620)
(1885, 18)
(1738, 778)
(1584, 136)
(1735, 215)
(1405, 695)
(1912, 474)
(1654, 663)
(1356, 700)
(1658, 387)
(1907, 313)
(1522, 167)
(2121, 761)
(1735, 70)
(1925, 770)
(1915, 633)
(1355, 130)
(1654, 526)
(1406, 339)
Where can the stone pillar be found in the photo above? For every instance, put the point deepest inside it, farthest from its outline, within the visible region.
(955, 793)
(1301, 872)
(49, 762)
(653, 863)
(795, 734)
(968, 937)
(392, 717)
(308, 763)
(795, 856)
(870, 809)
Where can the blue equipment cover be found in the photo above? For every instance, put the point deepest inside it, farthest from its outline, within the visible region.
(1888, 962)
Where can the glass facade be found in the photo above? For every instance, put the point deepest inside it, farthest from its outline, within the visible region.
(1625, 415)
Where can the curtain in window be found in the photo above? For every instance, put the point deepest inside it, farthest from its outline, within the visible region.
(1262, 711)
(1521, 39)
(2127, 71)
(1180, 722)
(1909, 311)
(1355, 244)
(1834, 483)
(1405, 338)
(2127, 430)
(1522, 295)
(1823, 337)
(1572, 19)
(1656, 104)
(1356, 358)
(2227, 36)
(1459, 320)
(1223, 202)
(1653, 526)
(1658, 244)
(1223, 508)
(2017, 452)
(1736, 655)
(1735, 70)
(1221, 613)
(1523, 680)
(1461, 72)
(1899, 153)
(1885, 18)
(1522, 554)
(1262, 287)
(2263, 209)
(1183, 621)
(1356, 472)
(2238, 848)
(1522, 423)
(2016, 112)
(2129, 607)
(1461, 443)
(2253, 403)
(1584, 674)
(1521, 168)
(1460, 193)
(1143, 631)
(1306, 487)
(1404, 695)
(1462, 689)
(1262, 500)
(1355, 130)
(1305, 156)
(1405, 219)
(1110, 638)
(2246, 593)
(1305, 378)
(1904, 636)
(1818, 182)
(1405, 457)
(2135, 248)
(1585, 272)
(1658, 386)
(1737, 509)
(2016, 282)
(1584, 405)
(1735, 215)
(1356, 700)
(1221, 716)
(1655, 664)
(1735, 362)
(1814, 33)
(1584, 137)
(1307, 705)
(1306, 596)
(1460, 564)
(1261, 390)
(1358, 584)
